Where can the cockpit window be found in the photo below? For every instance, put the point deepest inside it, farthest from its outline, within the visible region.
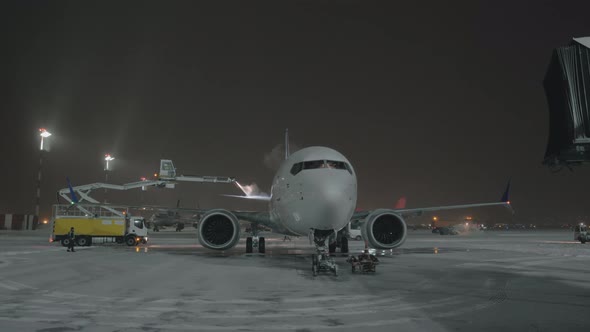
(296, 168)
(314, 164)
(339, 165)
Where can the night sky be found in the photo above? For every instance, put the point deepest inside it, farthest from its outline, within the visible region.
(438, 101)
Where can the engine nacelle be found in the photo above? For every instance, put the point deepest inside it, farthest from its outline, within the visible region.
(384, 229)
(219, 230)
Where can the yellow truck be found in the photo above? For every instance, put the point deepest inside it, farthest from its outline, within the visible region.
(98, 224)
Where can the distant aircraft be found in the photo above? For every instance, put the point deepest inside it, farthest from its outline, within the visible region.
(171, 218)
(314, 194)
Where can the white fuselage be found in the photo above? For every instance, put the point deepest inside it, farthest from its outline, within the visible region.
(315, 188)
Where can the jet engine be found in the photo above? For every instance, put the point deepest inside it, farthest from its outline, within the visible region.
(219, 230)
(384, 229)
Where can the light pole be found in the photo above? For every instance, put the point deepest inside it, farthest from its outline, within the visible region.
(44, 134)
(107, 158)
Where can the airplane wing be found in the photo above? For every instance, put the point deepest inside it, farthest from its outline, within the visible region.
(415, 212)
(258, 217)
(253, 197)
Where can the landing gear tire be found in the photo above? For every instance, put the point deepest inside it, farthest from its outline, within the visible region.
(249, 245)
(130, 241)
(261, 246)
(82, 241)
(332, 247)
(344, 245)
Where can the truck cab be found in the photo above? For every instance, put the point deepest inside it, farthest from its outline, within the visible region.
(138, 228)
(581, 233)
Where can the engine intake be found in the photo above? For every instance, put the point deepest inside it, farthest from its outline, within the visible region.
(219, 230)
(384, 229)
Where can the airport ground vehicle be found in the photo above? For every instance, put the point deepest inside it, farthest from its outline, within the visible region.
(354, 230)
(447, 231)
(363, 263)
(98, 223)
(581, 233)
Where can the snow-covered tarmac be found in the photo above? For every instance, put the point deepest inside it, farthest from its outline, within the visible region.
(492, 281)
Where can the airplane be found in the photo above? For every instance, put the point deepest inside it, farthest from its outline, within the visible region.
(171, 217)
(314, 193)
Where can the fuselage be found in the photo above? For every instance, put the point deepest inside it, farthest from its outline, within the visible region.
(315, 188)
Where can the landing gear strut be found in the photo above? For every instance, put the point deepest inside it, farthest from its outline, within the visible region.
(255, 241)
(321, 261)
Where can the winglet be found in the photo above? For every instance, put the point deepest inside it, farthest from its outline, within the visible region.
(506, 196)
(72, 193)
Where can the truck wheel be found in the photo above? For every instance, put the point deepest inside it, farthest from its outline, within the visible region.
(82, 241)
(119, 240)
(583, 240)
(65, 242)
(130, 241)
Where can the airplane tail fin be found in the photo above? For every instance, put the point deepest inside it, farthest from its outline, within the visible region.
(506, 196)
(401, 203)
(72, 193)
(287, 153)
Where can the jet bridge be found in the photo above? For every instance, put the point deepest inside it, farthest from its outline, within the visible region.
(567, 86)
(167, 178)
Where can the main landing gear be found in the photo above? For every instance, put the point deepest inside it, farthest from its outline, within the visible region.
(255, 241)
(321, 261)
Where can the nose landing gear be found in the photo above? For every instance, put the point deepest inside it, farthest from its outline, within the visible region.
(255, 241)
(321, 261)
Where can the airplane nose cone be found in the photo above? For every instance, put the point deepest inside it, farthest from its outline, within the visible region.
(337, 203)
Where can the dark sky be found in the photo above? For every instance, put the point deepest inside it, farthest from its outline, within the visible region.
(440, 102)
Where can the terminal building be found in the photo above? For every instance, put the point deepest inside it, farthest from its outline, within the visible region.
(18, 222)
